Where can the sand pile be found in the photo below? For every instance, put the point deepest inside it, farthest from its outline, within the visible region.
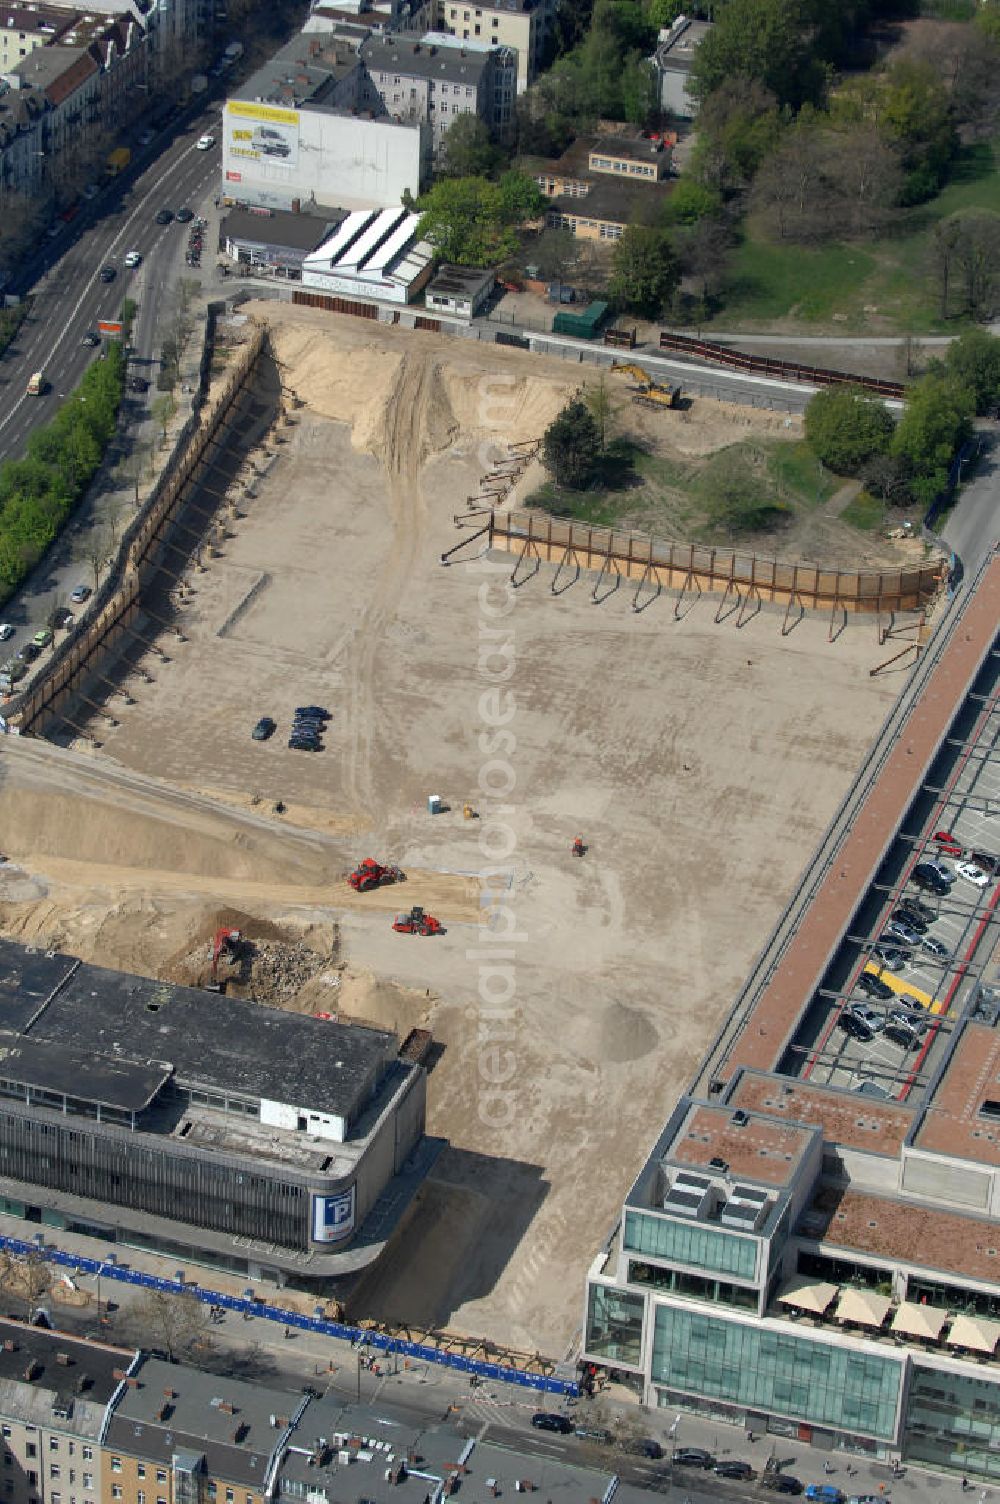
(348, 386)
(503, 404)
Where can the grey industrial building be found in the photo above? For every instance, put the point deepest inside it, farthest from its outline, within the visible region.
(218, 1130)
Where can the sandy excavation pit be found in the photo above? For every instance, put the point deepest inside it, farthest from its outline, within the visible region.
(700, 763)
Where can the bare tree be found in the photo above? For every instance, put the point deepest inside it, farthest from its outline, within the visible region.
(162, 409)
(179, 1324)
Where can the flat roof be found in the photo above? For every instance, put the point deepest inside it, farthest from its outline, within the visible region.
(953, 1121)
(64, 1070)
(797, 973)
(223, 1044)
(228, 1421)
(297, 232)
(416, 59)
(760, 1149)
(610, 198)
(678, 49)
(303, 72)
(909, 1232)
(468, 279)
(843, 1117)
(65, 1367)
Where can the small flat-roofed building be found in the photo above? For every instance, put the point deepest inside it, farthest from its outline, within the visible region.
(263, 1146)
(601, 183)
(274, 241)
(672, 62)
(460, 290)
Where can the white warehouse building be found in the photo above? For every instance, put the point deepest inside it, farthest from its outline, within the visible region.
(293, 137)
(371, 255)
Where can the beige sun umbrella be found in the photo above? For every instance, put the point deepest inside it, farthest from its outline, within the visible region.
(974, 1332)
(919, 1321)
(862, 1306)
(811, 1295)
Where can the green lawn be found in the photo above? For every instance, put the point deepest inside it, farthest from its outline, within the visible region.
(878, 286)
(864, 512)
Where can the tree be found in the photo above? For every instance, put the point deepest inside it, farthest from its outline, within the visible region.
(690, 202)
(602, 408)
(974, 360)
(771, 41)
(845, 427)
(467, 150)
(704, 252)
(645, 271)
(554, 253)
(472, 221)
(161, 410)
(935, 424)
(738, 126)
(571, 446)
(176, 1323)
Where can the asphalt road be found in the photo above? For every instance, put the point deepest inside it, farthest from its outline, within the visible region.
(972, 527)
(69, 299)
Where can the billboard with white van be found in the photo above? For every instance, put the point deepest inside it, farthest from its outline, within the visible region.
(262, 133)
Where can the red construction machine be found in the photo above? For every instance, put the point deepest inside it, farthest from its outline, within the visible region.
(416, 922)
(226, 943)
(371, 874)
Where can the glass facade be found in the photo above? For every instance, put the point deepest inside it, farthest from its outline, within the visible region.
(690, 1243)
(614, 1325)
(767, 1370)
(698, 1286)
(953, 1422)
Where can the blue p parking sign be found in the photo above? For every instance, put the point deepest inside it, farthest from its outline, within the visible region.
(333, 1217)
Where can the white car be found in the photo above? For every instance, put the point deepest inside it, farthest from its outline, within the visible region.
(133, 258)
(6, 631)
(972, 873)
(205, 143)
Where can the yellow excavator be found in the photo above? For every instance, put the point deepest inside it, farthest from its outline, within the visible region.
(647, 392)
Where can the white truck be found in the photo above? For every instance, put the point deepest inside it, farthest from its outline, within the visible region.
(36, 384)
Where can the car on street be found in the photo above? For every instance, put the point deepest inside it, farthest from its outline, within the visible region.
(42, 637)
(133, 258)
(184, 216)
(935, 947)
(973, 874)
(138, 384)
(264, 728)
(693, 1457)
(948, 843)
(645, 1446)
(205, 143)
(824, 1493)
(781, 1483)
(547, 1420)
(874, 986)
(907, 916)
(594, 1433)
(79, 594)
(893, 956)
(28, 653)
(107, 274)
(91, 338)
(164, 216)
(6, 631)
(927, 876)
(61, 617)
(732, 1468)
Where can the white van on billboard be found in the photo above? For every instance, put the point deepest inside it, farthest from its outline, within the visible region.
(262, 133)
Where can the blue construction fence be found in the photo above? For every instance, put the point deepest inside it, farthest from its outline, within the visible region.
(249, 1305)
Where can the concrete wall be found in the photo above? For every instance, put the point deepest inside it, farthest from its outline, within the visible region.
(341, 160)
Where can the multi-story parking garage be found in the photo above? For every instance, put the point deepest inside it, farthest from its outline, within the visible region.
(222, 1131)
(812, 1245)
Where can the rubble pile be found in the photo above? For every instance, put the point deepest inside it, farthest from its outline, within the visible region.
(280, 971)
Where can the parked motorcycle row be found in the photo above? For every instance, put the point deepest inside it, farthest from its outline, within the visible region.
(195, 242)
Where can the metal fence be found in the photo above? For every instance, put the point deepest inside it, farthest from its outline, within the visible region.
(247, 1305)
(769, 365)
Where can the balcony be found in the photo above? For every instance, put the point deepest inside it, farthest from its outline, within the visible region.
(899, 1323)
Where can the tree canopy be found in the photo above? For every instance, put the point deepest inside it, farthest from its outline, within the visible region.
(845, 427)
(572, 446)
(935, 424)
(473, 221)
(467, 150)
(645, 271)
(771, 41)
(973, 359)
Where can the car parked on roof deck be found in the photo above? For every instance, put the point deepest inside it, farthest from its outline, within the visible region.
(973, 874)
(935, 947)
(874, 986)
(927, 876)
(896, 957)
(854, 1026)
(908, 917)
(948, 843)
(898, 929)
(910, 905)
(985, 859)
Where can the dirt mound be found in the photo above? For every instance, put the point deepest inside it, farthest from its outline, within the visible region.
(272, 963)
(349, 387)
(520, 407)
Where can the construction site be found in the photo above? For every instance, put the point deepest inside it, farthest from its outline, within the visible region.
(477, 731)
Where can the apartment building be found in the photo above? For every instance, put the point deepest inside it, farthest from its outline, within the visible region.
(522, 25)
(437, 79)
(55, 1396)
(811, 1247)
(25, 27)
